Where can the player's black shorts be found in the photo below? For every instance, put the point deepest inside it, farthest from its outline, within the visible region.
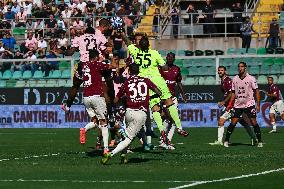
(250, 112)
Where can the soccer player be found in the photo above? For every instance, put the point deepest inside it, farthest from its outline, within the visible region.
(136, 90)
(149, 61)
(173, 77)
(277, 103)
(226, 87)
(93, 95)
(244, 86)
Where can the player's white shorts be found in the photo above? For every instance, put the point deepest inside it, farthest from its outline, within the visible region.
(95, 106)
(277, 107)
(135, 120)
(227, 115)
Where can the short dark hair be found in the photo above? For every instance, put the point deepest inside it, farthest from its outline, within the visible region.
(90, 30)
(104, 22)
(93, 53)
(144, 43)
(134, 69)
(171, 53)
(222, 67)
(245, 64)
(270, 77)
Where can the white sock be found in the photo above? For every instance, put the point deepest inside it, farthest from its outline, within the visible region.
(123, 144)
(274, 126)
(105, 135)
(90, 126)
(166, 124)
(171, 133)
(149, 139)
(220, 133)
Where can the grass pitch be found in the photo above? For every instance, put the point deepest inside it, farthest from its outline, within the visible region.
(53, 158)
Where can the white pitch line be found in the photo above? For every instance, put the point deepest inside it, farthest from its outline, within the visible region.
(29, 157)
(11, 133)
(229, 178)
(94, 181)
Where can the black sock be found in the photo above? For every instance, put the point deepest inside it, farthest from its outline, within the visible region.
(112, 133)
(230, 130)
(257, 132)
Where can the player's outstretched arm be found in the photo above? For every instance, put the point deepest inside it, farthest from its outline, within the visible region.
(180, 88)
(126, 40)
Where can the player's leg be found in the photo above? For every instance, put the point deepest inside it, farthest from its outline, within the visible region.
(101, 111)
(235, 118)
(134, 121)
(72, 94)
(272, 120)
(251, 113)
(245, 122)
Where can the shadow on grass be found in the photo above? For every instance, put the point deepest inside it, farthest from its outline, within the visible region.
(240, 144)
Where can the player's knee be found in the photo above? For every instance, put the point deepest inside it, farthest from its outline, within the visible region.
(156, 108)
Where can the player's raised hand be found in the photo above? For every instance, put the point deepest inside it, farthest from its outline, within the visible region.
(221, 104)
(184, 99)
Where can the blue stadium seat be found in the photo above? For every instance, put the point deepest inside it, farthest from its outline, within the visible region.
(38, 75)
(201, 80)
(17, 75)
(231, 51)
(254, 70)
(189, 81)
(2, 84)
(66, 74)
(210, 80)
(56, 74)
(7, 74)
(262, 79)
(27, 74)
(281, 79)
(264, 69)
(275, 69)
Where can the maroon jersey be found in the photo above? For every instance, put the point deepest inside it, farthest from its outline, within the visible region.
(274, 89)
(136, 90)
(92, 78)
(172, 76)
(226, 87)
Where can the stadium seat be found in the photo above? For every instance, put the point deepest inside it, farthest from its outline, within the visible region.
(254, 70)
(202, 71)
(198, 53)
(201, 80)
(251, 51)
(279, 61)
(51, 83)
(210, 81)
(219, 52)
(275, 69)
(188, 53)
(41, 83)
(184, 71)
(64, 65)
(190, 81)
(231, 51)
(61, 83)
(261, 51)
(20, 83)
(179, 62)
(32, 83)
(56, 74)
(1, 75)
(17, 75)
(281, 79)
(181, 53)
(262, 79)
(279, 51)
(69, 83)
(27, 74)
(66, 74)
(211, 70)
(2, 84)
(268, 61)
(209, 53)
(38, 75)
(270, 51)
(19, 31)
(264, 69)
(163, 52)
(241, 51)
(7, 74)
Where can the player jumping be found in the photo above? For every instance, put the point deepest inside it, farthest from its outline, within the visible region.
(149, 61)
(136, 90)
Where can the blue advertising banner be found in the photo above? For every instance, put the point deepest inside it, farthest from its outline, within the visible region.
(51, 116)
